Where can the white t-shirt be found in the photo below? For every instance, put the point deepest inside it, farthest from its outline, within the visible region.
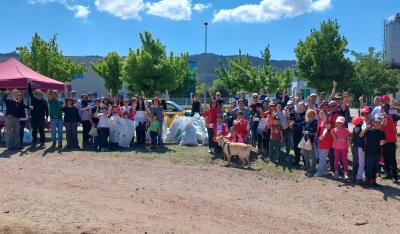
(219, 128)
(103, 120)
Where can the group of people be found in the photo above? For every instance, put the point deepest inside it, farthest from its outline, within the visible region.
(85, 111)
(270, 123)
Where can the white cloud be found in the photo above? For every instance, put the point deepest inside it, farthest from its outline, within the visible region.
(269, 10)
(80, 11)
(200, 7)
(391, 18)
(171, 9)
(124, 9)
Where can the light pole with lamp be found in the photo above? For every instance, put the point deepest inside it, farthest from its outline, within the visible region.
(205, 76)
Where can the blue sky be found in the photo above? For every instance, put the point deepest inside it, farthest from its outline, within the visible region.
(96, 27)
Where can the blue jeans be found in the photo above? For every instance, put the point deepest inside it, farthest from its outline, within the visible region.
(154, 136)
(56, 124)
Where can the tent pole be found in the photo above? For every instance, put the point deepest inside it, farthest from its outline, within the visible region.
(29, 110)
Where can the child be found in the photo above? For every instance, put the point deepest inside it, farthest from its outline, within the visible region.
(154, 131)
(358, 149)
(340, 144)
(375, 139)
(276, 138)
(104, 130)
(233, 136)
(125, 115)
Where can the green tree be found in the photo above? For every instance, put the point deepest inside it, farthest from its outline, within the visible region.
(320, 57)
(150, 69)
(46, 59)
(219, 86)
(110, 70)
(372, 75)
(200, 89)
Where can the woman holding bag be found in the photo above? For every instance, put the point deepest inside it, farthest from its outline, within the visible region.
(22, 116)
(309, 132)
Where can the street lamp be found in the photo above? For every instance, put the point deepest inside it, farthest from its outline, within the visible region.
(205, 69)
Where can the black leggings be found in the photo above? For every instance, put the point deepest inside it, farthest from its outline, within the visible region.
(210, 133)
(141, 133)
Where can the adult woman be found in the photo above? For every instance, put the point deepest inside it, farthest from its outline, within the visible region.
(309, 131)
(12, 124)
(157, 109)
(287, 132)
(298, 119)
(22, 116)
(95, 121)
(300, 97)
(210, 117)
(140, 121)
(84, 108)
(116, 102)
(233, 136)
(196, 104)
(71, 120)
(323, 141)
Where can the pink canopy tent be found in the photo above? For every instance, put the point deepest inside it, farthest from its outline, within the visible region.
(14, 74)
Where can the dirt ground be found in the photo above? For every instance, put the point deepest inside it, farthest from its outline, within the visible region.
(85, 192)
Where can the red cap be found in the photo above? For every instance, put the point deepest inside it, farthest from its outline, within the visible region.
(385, 98)
(357, 120)
(365, 110)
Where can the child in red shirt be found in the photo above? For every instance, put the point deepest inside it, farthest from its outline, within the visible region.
(276, 138)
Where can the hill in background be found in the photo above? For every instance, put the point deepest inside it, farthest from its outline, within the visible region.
(206, 64)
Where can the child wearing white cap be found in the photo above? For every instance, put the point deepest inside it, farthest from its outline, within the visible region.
(341, 143)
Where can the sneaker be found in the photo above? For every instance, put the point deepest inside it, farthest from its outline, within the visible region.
(53, 145)
(209, 151)
(42, 144)
(212, 150)
(60, 145)
(359, 181)
(336, 176)
(375, 184)
(346, 176)
(33, 144)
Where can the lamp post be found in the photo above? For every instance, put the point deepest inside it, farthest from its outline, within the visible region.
(205, 76)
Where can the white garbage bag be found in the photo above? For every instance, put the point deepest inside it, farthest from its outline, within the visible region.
(189, 136)
(174, 133)
(121, 130)
(164, 128)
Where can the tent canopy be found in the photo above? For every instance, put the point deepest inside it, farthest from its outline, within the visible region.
(14, 74)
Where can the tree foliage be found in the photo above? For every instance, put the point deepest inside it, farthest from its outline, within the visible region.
(219, 86)
(149, 68)
(242, 75)
(46, 59)
(372, 75)
(320, 57)
(110, 70)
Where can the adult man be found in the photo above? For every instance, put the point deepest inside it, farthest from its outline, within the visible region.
(220, 102)
(241, 108)
(282, 99)
(90, 99)
(56, 121)
(262, 95)
(389, 149)
(12, 125)
(322, 98)
(243, 97)
(312, 101)
(39, 114)
(377, 102)
(377, 111)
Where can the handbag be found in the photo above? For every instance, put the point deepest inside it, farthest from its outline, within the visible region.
(303, 144)
(27, 135)
(93, 132)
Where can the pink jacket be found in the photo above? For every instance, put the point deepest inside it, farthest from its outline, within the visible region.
(131, 113)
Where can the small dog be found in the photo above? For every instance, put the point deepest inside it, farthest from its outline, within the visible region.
(230, 149)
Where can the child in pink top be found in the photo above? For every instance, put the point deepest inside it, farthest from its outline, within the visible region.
(340, 144)
(233, 136)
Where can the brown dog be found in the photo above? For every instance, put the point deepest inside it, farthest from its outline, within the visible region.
(230, 149)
